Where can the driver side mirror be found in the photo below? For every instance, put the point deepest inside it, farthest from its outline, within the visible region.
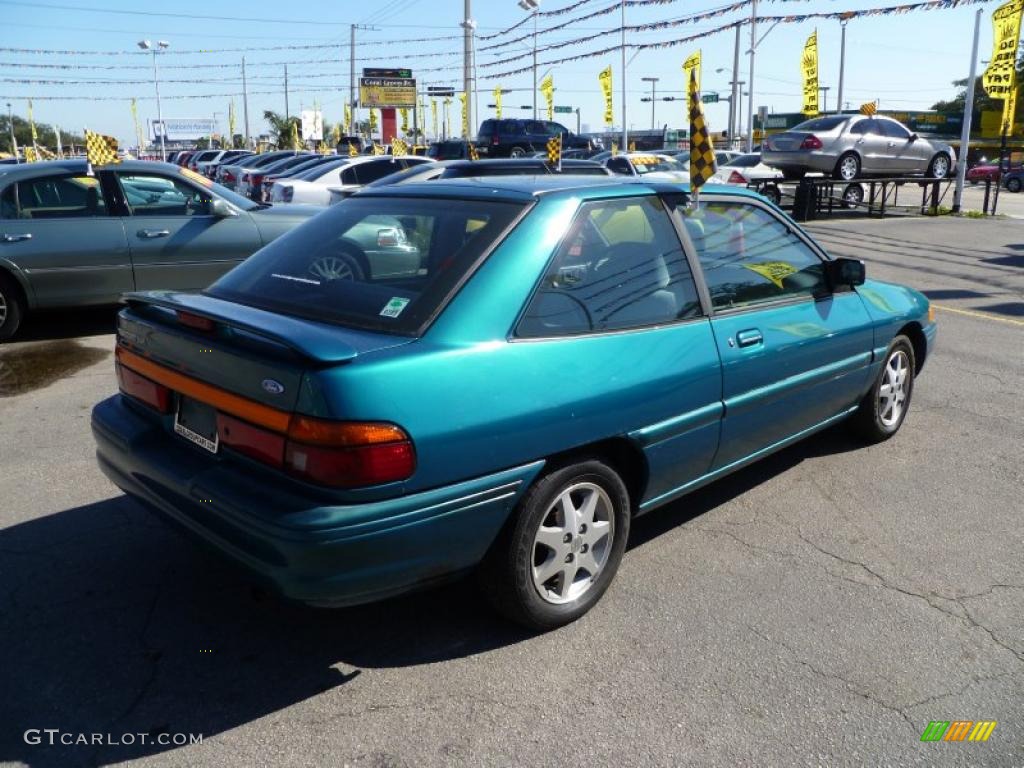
(844, 272)
(913, 137)
(222, 209)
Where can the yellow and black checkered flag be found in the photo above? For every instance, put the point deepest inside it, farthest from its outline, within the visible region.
(869, 108)
(100, 149)
(399, 148)
(352, 151)
(378, 149)
(702, 154)
(473, 154)
(555, 151)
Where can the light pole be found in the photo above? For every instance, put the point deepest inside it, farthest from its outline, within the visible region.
(10, 124)
(824, 98)
(161, 45)
(534, 7)
(652, 81)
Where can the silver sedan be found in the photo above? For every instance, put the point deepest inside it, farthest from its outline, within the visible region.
(848, 146)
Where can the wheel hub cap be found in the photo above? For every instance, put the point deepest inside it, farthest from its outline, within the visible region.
(573, 543)
(892, 394)
(3, 309)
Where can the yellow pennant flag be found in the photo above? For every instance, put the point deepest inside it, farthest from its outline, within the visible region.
(497, 102)
(615, 148)
(32, 123)
(336, 135)
(231, 123)
(463, 98)
(373, 121)
(547, 87)
(352, 151)
(473, 154)
(294, 137)
(31, 156)
(404, 112)
(809, 68)
(605, 77)
(1000, 77)
(555, 151)
(691, 67)
(100, 149)
(433, 114)
(138, 128)
(348, 119)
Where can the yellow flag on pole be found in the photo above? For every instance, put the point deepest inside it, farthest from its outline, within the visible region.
(497, 102)
(547, 87)
(702, 153)
(100, 149)
(809, 68)
(1000, 77)
(691, 67)
(605, 78)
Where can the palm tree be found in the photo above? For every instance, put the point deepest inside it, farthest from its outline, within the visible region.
(281, 127)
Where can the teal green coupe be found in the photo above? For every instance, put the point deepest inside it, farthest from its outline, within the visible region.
(550, 358)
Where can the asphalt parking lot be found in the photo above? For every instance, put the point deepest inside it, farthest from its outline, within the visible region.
(819, 608)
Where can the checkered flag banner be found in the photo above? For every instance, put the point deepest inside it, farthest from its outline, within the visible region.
(869, 108)
(378, 149)
(555, 151)
(399, 148)
(352, 151)
(702, 154)
(100, 149)
(473, 154)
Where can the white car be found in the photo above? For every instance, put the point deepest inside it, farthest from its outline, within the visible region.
(650, 165)
(350, 173)
(747, 169)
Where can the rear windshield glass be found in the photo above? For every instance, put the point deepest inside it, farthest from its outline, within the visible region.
(386, 264)
(822, 123)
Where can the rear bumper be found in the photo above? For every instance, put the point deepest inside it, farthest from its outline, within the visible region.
(308, 550)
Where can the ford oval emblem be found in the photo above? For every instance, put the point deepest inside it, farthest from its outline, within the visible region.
(273, 387)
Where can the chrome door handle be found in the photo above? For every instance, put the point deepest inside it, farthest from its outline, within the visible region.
(151, 233)
(892, 143)
(749, 338)
(17, 238)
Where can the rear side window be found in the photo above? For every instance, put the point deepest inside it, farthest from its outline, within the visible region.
(375, 169)
(60, 197)
(750, 257)
(378, 263)
(864, 127)
(620, 266)
(512, 127)
(893, 130)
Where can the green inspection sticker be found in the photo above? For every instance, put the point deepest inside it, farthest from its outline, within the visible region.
(394, 307)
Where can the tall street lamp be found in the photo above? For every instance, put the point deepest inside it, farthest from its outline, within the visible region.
(534, 7)
(161, 45)
(652, 81)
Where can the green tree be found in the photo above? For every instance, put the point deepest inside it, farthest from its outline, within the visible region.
(982, 101)
(281, 127)
(23, 135)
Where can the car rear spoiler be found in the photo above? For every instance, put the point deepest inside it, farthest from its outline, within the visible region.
(315, 342)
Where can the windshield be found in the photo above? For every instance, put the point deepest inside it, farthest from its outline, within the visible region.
(822, 123)
(378, 263)
(237, 200)
(651, 163)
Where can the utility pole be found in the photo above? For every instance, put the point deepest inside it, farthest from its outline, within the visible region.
(10, 124)
(245, 103)
(965, 129)
(824, 98)
(467, 64)
(625, 127)
(352, 77)
(842, 67)
(577, 121)
(750, 93)
(734, 123)
(653, 81)
(286, 112)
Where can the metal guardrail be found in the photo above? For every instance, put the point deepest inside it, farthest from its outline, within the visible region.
(815, 196)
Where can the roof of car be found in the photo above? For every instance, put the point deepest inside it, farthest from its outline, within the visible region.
(80, 166)
(526, 188)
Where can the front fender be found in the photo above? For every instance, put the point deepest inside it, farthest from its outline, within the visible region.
(8, 266)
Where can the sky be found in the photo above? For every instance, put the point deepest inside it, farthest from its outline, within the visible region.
(906, 61)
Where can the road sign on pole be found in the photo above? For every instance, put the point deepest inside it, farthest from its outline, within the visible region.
(709, 98)
(564, 110)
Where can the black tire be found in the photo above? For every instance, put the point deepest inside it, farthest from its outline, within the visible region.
(772, 192)
(12, 307)
(1013, 185)
(792, 175)
(843, 173)
(869, 421)
(508, 570)
(853, 195)
(933, 173)
(517, 152)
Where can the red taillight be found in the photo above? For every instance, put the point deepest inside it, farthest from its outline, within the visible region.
(494, 140)
(260, 444)
(257, 180)
(198, 322)
(348, 454)
(811, 142)
(228, 176)
(144, 390)
(737, 178)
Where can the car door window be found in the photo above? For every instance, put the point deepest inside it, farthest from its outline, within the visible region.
(893, 129)
(375, 169)
(864, 127)
(750, 257)
(153, 195)
(59, 197)
(620, 266)
(619, 165)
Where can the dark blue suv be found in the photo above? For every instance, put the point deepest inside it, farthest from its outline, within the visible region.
(521, 138)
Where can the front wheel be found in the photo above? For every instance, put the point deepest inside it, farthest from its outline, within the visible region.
(1013, 185)
(562, 548)
(853, 195)
(517, 152)
(848, 167)
(939, 167)
(11, 308)
(884, 407)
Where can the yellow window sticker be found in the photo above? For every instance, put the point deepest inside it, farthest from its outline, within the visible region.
(645, 160)
(776, 271)
(188, 173)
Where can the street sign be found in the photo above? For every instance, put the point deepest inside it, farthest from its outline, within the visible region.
(404, 74)
(387, 92)
(709, 98)
(567, 110)
(439, 90)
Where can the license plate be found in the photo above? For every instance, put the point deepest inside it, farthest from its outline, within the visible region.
(197, 423)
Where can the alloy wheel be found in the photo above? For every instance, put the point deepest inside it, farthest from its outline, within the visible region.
(3, 308)
(332, 268)
(573, 543)
(940, 167)
(848, 167)
(892, 393)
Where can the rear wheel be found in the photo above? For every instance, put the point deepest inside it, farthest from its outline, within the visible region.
(12, 308)
(884, 407)
(939, 167)
(517, 152)
(848, 167)
(853, 195)
(343, 266)
(562, 548)
(1013, 185)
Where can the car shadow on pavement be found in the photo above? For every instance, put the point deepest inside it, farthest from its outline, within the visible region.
(68, 324)
(114, 624)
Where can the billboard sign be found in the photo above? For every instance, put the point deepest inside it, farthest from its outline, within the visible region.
(387, 92)
(312, 125)
(183, 128)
